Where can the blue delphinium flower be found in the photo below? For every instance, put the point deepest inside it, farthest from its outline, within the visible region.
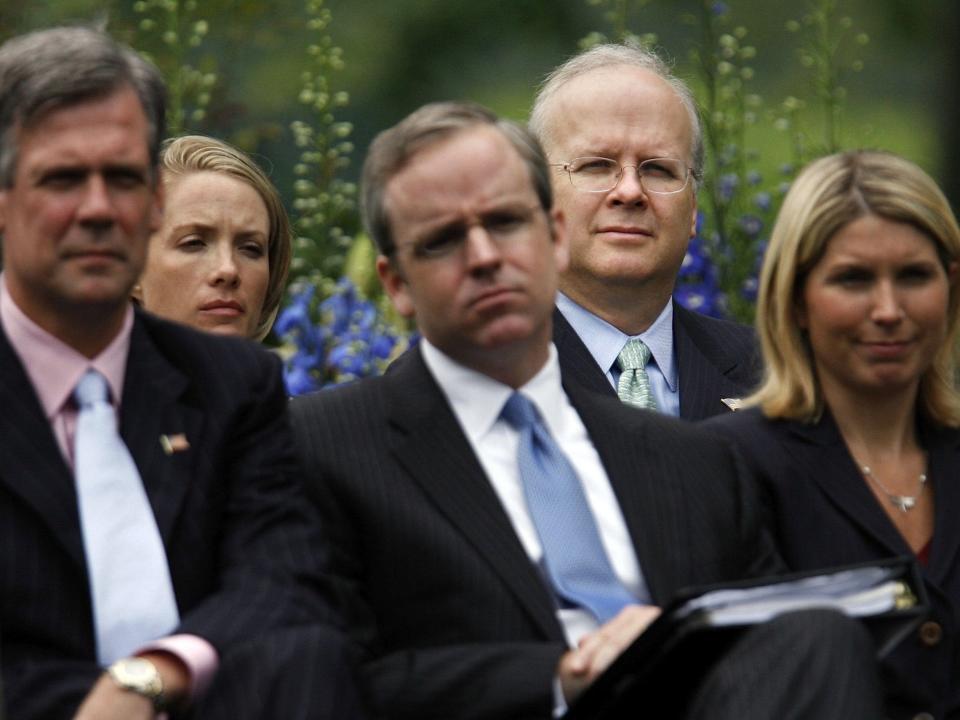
(727, 186)
(340, 339)
(719, 8)
(751, 225)
(697, 280)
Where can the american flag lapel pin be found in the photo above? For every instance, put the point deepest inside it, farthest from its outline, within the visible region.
(174, 443)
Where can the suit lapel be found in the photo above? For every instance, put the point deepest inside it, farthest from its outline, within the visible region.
(31, 463)
(824, 457)
(645, 491)
(702, 370)
(430, 446)
(943, 448)
(152, 407)
(576, 362)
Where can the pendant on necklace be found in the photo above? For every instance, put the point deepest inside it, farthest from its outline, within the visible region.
(904, 502)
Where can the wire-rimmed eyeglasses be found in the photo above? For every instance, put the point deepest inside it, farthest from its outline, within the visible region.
(662, 176)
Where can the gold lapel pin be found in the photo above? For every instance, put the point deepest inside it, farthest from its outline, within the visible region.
(174, 443)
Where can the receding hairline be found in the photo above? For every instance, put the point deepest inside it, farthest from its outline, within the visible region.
(435, 141)
(547, 102)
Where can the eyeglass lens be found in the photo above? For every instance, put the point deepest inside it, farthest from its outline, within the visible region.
(657, 175)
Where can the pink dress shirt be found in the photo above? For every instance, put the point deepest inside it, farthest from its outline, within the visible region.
(54, 369)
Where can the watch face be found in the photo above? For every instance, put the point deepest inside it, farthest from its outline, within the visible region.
(139, 668)
(140, 676)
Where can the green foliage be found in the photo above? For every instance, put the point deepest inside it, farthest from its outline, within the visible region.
(325, 204)
(618, 13)
(171, 33)
(828, 54)
(735, 207)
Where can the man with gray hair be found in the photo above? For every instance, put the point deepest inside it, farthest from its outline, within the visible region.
(165, 561)
(625, 145)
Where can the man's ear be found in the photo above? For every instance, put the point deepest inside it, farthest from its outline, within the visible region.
(395, 285)
(3, 211)
(159, 198)
(693, 218)
(561, 243)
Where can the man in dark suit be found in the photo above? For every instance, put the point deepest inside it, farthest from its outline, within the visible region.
(456, 570)
(625, 143)
(203, 460)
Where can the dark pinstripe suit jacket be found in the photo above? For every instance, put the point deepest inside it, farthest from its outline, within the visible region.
(239, 541)
(455, 620)
(823, 514)
(715, 359)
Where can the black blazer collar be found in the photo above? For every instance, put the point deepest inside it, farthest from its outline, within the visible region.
(704, 366)
(32, 465)
(829, 464)
(156, 402)
(430, 446)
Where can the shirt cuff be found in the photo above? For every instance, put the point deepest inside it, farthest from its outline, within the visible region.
(198, 655)
(559, 702)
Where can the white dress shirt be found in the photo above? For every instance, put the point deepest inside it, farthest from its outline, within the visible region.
(477, 401)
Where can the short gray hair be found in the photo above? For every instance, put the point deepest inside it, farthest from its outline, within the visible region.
(611, 55)
(51, 69)
(391, 151)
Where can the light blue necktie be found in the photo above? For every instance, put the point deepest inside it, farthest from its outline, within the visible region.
(575, 559)
(634, 386)
(133, 601)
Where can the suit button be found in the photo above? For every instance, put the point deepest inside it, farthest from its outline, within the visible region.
(930, 634)
(923, 716)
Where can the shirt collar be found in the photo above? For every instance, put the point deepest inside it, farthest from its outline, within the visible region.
(54, 368)
(477, 399)
(604, 341)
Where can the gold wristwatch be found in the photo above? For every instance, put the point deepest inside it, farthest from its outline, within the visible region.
(141, 676)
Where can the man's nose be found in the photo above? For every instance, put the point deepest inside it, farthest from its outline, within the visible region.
(482, 250)
(96, 205)
(628, 190)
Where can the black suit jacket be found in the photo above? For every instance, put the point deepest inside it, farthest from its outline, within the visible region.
(455, 620)
(824, 514)
(715, 359)
(238, 538)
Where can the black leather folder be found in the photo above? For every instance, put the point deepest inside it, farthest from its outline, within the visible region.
(656, 675)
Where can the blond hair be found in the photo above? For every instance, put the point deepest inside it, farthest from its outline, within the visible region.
(829, 194)
(199, 153)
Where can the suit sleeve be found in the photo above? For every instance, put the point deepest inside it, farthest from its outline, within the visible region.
(765, 560)
(269, 559)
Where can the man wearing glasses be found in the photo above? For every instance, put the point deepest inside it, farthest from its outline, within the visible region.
(625, 145)
(499, 536)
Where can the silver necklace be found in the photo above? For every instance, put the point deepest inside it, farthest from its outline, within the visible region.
(903, 502)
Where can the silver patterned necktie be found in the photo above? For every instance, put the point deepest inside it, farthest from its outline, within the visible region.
(576, 561)
(634, 386)
(130, 586)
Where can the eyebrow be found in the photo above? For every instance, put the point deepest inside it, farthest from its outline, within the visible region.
(201, 225)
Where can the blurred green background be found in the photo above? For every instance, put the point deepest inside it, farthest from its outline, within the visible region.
(401, 53)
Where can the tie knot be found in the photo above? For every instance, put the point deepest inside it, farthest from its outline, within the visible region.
(634, 355)
(92, 388)
(519, 411)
